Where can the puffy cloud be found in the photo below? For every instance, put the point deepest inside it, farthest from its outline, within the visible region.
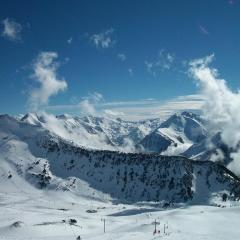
(45, 74)
(11, 29)
(122, 57)
(221, 108)
(128, 146)
(103, 39)
(87, 105)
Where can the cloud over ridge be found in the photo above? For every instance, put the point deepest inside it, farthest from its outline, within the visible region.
(221, 108)
(45, 74)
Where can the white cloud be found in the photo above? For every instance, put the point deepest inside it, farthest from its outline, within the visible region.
(113, 113)
(146, 109)
(103, 39)
(134, 110)
(170, 58)
(45, 74)
(87, 105)
(69, 41)
(130, 71)
(122, 57)
(222, 105)
(163, 62)
(150, 68)
(11, 29)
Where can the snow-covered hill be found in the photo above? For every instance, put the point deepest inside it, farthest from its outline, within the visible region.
(51, 188)
(44, 160)
(175, 135)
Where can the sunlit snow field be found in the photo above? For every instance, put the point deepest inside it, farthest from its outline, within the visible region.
(35, 214)
(29, 213)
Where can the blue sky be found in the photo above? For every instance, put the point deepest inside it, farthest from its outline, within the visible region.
(116, 56)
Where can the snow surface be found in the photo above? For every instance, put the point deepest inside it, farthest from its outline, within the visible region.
(95, 132)
(33, 211)
(175, 135)
(40, 215)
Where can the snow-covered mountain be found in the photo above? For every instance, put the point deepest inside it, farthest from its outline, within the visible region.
(95, 132)
(30, 154)
(211, 148)
(171, 137)
(182, 134)
(175, 135)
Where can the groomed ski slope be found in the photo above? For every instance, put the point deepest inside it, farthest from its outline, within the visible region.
(41, 214)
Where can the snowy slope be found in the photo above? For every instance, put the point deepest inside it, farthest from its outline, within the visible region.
(212, 148)
(42, 215)
(45, 181)
(175, 135)
(95, 132)
(47, 161)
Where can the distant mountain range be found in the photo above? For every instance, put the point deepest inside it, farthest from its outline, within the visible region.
(172, 136)
(183, 134)
(95, 132)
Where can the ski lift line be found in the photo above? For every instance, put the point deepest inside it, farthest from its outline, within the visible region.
(155, 223)
(104, 224)
(165, 228)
